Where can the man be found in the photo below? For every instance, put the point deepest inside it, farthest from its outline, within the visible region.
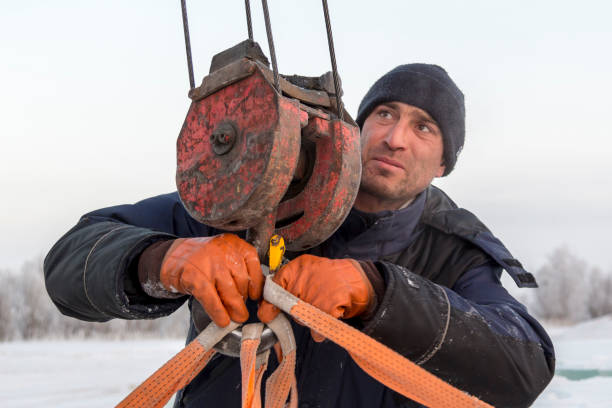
(407, 267)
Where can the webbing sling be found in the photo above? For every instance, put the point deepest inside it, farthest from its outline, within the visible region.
(156, 390)
(385, 365)
(282, 381)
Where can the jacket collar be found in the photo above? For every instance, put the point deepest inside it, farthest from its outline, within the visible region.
(371, 236)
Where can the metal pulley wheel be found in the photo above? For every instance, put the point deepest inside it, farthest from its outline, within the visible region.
(238, 149)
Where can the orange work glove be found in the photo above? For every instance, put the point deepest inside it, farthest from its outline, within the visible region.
(220, 272)
(338, 287)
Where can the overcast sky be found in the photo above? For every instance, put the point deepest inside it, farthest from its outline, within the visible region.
(95, 93)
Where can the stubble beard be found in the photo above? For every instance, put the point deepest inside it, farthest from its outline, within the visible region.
(376, 186)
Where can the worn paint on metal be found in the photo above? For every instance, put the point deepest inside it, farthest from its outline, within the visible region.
(242, 188)
(235, 190)
(331, 189)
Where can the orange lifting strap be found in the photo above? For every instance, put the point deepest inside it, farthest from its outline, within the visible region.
(385, 365)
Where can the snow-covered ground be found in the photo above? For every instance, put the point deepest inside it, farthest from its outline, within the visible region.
(583, 376)
(96, 373)
(77, 373)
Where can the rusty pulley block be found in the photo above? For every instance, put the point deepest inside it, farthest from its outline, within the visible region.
(270, 161)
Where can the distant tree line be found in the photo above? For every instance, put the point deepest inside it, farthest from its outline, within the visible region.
(570, 291)
(26, 312)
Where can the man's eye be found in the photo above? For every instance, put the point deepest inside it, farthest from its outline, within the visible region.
(384, 114)
(424, 128)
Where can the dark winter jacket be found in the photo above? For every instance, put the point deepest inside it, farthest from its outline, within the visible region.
(443, 308)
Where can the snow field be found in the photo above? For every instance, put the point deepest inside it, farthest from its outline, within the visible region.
(582, 350)
(67, 374)
(100, 373)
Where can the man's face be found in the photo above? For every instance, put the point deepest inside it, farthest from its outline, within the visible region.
(401, 153)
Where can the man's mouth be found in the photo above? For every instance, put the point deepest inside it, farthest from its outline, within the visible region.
(389, 161)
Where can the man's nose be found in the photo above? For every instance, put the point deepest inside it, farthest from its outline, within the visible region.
(397, 136)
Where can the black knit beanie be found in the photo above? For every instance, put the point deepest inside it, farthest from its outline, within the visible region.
(427, 87)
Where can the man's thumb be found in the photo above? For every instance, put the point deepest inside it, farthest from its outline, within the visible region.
(267, 311)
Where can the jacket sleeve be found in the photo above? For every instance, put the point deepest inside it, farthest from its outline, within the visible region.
(475, 336)
(90, 271)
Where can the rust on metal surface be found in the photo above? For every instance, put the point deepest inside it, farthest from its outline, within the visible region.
(223, 77)
(259, 234)
(309, 96)
(235, 190)
(237, 70)
(324, 82)
(246, 49)
(238, 153)
(324, 202)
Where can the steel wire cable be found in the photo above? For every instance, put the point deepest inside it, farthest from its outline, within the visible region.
(332, 55)
(330, 42)
(264, 4)
(247, 6)
(187, 44)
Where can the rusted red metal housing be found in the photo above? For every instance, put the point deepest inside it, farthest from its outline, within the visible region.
(233, 191)
(239, 148)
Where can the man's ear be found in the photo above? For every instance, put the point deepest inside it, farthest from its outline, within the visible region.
(441, 170)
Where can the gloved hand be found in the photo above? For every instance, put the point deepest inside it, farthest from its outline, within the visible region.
(338, 287)
(220, 272)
